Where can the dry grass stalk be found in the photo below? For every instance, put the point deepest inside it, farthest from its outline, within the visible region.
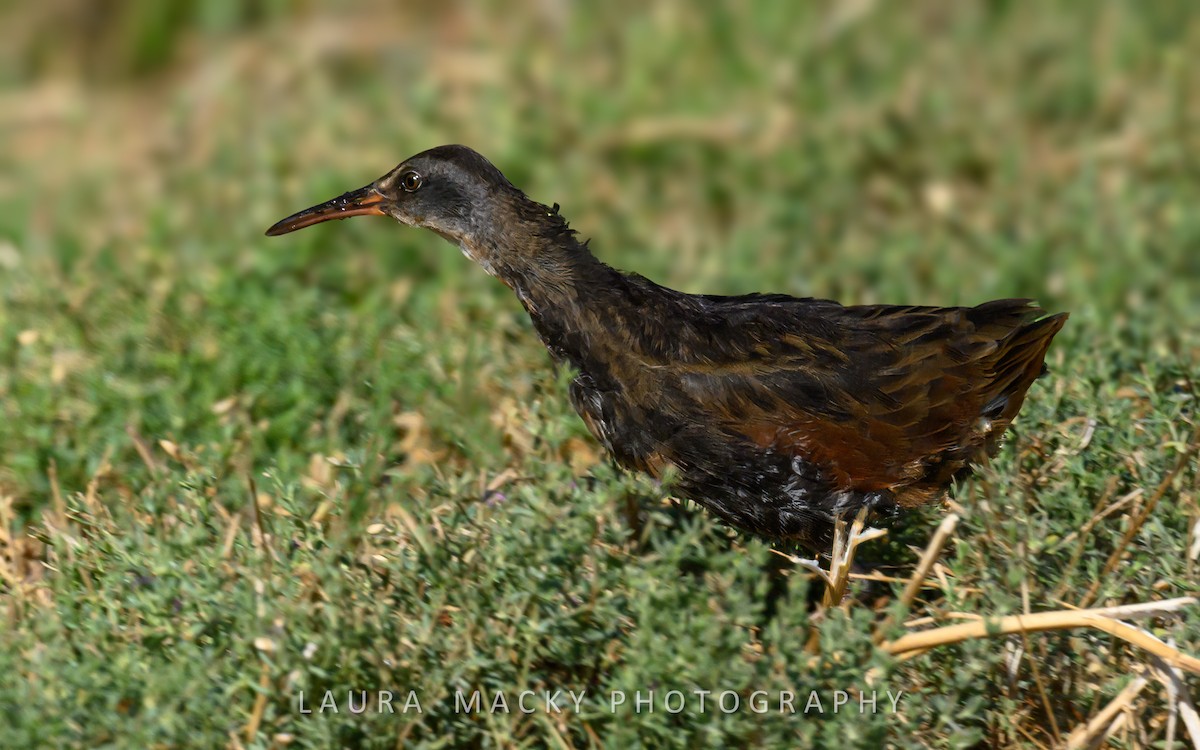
(908, 645)
(932, 550)
(1179, 703)
(1105, 721)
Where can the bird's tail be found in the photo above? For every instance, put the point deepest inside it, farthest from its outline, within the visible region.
(1020, 360)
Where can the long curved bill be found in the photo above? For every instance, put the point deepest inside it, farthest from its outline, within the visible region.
(362, 202)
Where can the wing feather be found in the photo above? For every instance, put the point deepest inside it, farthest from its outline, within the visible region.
(878, 396)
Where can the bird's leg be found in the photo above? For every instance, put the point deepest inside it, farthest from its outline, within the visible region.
(845, 543)
(777, 567)
(846, 539)
(633, 517)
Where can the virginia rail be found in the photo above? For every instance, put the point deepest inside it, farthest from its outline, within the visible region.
(779, 414)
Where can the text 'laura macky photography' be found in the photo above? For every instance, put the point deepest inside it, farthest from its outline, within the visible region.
(557, 701)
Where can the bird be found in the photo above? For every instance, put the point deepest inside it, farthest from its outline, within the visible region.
(778, 414)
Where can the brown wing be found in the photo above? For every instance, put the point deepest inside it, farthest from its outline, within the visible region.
(880, 397)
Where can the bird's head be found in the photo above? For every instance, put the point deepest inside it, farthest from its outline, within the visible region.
(451, 190)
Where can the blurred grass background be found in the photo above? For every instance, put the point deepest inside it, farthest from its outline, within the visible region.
(430, 514)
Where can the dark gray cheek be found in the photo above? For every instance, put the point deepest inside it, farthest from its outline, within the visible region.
(405, 217)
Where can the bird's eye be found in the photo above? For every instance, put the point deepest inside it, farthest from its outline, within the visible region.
(410, 181)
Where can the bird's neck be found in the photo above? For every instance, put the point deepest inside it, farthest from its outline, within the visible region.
(566, 290)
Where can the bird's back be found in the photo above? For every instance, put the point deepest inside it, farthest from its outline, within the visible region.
(803, 408)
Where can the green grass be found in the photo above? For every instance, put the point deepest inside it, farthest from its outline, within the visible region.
(430, 514)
